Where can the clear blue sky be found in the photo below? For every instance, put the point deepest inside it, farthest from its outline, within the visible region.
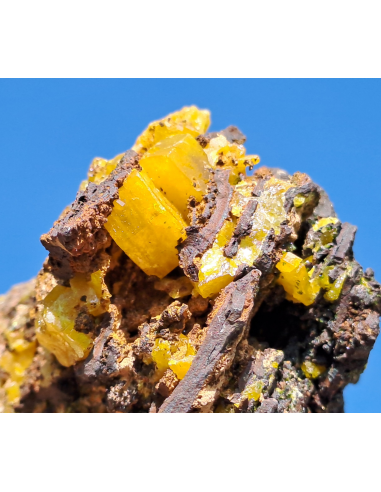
(51, 129)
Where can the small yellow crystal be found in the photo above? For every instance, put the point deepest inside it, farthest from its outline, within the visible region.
(55, 325)
(161, 354)
(178, 167)
(241, 195)
(221, 152)
(299, 200)
(175, 288)
(15, 363)
(335, 289)
(254, 390)
(177, 355)
(189, 120)
(216, 270)
(323, 222)
(101, 168)
(312, 370)
(146, 226)
(296, 281)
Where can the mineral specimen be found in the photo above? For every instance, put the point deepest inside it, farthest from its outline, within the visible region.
(176, 282)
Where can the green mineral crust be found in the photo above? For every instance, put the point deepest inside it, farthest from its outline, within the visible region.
(179, 282)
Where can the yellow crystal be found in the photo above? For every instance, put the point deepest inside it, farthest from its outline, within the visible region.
(161, 354)
(296, 281)
(335, 289)
(323, 222)
(241, 195)
(175, 288)
(100, 168)
(221, 152)
(55, 325)
(146, 226)
(299, 200)
(175, 355)
(216, 271)
(253, 391)
(189, 120)
(303, 286)
(312, 370)
(15, 363)
(177, 166)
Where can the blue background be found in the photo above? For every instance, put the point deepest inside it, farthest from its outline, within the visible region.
(51, 129)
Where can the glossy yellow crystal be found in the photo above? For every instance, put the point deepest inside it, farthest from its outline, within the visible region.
(335, 289)
(175, 288)
(216, 270)
(100, 168)
(177, 166)
(324, 222)
(146, 226)
(296, 280)
(221, 152)
(312, 370)
(304, 286)
(55, 325)
(189, 120)
(253, 391)
(177, 355)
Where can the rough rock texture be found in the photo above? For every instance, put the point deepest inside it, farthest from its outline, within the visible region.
(252, 343)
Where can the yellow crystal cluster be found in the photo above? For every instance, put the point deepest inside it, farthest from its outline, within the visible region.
(221, 152)
(327, 231)
(188, 121)
(15, 362)
(253, 391)
(296, 280)
(151, 214)
(216, 270)
(56, 323)
(175, 355)
(302, 285)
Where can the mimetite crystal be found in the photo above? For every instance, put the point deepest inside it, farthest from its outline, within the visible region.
(216, 271)
(296, 280)
(189, 120)
(304, 286)
(101, 168)
(177, 166)
(221, 152)
(15, 363)
(312, 370)
(55, 325)
(146, 226)
(175, 355)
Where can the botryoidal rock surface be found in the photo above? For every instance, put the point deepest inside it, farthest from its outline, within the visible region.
(177, 283)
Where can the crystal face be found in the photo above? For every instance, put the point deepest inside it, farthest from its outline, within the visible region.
(177, 166)
(56, 324)
(189, 121)
(177, 355)
(146, 226)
